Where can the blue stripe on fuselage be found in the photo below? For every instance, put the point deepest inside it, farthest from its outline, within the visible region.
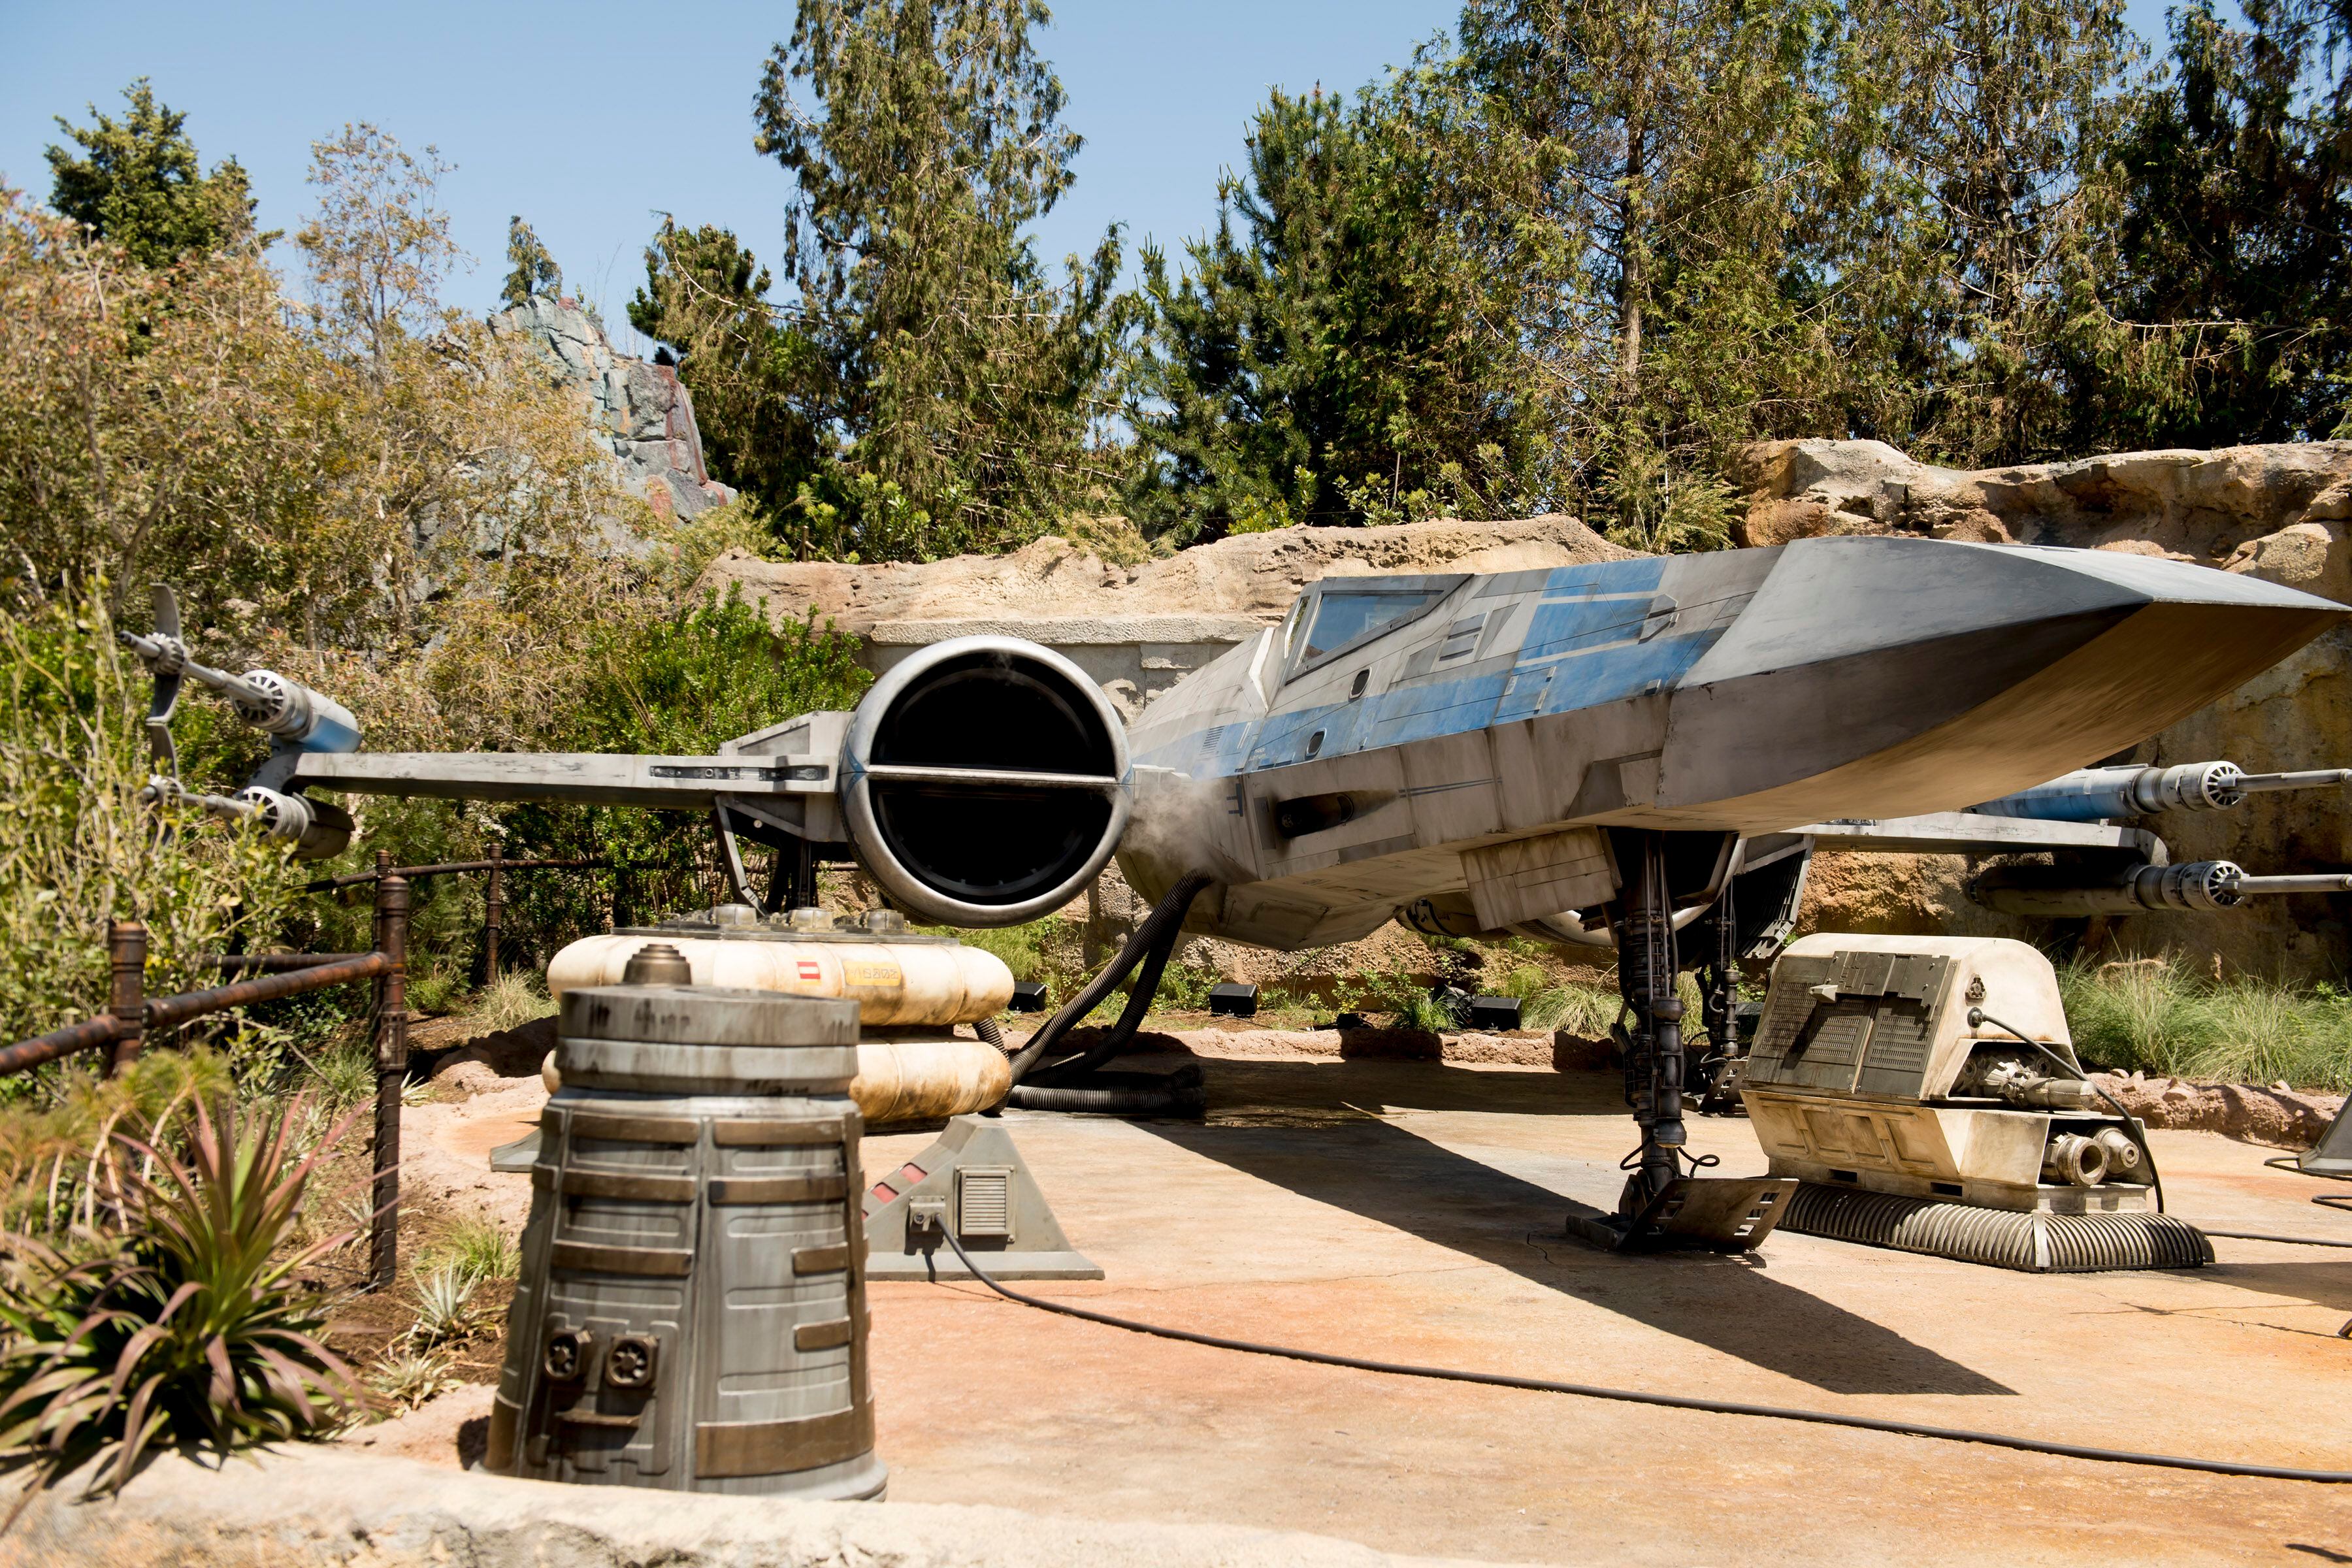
(1581, 649)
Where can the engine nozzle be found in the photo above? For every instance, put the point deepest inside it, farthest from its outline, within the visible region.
(290, 711)
(985, 782)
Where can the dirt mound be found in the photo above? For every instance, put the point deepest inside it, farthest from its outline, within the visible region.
(1254, 575)
(2277, 1117)
(475, 1064)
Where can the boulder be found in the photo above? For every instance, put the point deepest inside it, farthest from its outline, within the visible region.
(2279, 512)
(1251, 576)
(2191, 505)
(2277, 1117)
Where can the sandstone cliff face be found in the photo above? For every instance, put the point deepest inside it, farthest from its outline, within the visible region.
(1251, 577)
(2279, 512)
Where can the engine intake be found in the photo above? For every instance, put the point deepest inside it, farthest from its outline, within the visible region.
(985, 782)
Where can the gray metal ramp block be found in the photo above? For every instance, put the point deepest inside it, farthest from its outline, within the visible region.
(977, 1181)
(517, 1157)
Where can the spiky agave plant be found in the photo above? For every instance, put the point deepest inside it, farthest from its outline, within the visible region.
(189, 1326)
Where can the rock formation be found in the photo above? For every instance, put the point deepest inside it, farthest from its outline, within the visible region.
(1136, 629)
(2279, 512)
(638, 412)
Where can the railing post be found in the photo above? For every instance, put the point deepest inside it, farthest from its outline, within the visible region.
(126, 959)
(391, 1030)
(493, 904)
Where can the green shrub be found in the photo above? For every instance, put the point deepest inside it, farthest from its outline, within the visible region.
(1585, 1011)
(477, 1249)
(675, 685)
(437, 992)
(188, 1327)
(405, 1379)
(515, 999)
(1021, 947)
(1184, 988)
(1425, 1011)
(2161, 1016)
(444, 1304)
(342, 1071)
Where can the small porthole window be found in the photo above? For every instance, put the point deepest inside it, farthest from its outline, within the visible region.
(1315, 745)
(1363, 679)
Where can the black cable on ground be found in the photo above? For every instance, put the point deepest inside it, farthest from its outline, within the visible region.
(1668, 1401)
(2282, 1240)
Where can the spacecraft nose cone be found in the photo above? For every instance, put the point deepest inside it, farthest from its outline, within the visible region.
(1873, 676)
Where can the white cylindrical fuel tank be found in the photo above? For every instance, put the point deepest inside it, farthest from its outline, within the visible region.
(928, 1079)
(918, 987)
(917, 984)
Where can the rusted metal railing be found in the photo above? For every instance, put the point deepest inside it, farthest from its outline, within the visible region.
(494, 900)
(391, 1067)
(131, 1014)
(449, 869)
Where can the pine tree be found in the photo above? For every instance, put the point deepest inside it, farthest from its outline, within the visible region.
(1338, 357)
(138, 183)
(705, 296)
(2234, 293)
(963, 383)
(1647, 164)
(531, 269)
(1966, 239)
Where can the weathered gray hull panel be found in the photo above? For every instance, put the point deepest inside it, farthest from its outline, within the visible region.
(1830, 679)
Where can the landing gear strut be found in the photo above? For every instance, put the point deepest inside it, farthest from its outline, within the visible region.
(1664, 1205)
(1646, 967)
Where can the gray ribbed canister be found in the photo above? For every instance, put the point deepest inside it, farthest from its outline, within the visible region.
(692, 1308)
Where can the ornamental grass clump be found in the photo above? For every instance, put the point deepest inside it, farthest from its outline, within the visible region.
(189, 1325)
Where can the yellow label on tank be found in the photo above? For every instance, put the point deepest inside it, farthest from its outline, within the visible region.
(868, 973)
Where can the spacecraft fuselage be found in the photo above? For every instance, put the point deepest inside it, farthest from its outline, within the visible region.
(1456, 749)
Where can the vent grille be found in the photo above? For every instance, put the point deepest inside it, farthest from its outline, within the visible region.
(984, 1203)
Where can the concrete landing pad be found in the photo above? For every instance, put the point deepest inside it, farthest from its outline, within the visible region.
(1412, 1211)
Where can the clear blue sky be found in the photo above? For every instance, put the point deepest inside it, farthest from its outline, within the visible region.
(588, 117)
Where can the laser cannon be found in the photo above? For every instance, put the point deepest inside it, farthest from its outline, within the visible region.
(299, 720)
(2097, 795)
(2059, 893)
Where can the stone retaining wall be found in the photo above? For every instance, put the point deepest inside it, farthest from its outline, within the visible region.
(305, 1506)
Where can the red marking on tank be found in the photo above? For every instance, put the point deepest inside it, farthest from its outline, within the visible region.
(885, 1190)
(911, 1175)
(810, 971)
